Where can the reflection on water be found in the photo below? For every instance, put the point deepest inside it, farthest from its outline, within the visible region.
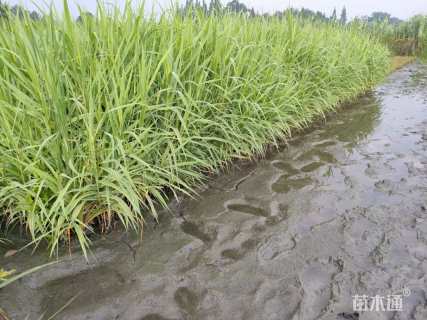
(356, 122)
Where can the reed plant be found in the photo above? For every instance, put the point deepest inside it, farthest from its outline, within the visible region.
(107, 117)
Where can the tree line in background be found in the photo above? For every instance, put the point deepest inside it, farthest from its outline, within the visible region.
(405, 37)
(216, 7)
(234, 6)
(17, 10)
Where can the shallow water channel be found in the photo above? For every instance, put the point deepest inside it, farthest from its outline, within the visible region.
(340, 211)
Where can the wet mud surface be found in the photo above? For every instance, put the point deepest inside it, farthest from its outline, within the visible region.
(340, 211)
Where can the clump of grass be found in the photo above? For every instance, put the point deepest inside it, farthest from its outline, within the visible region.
(100, 117)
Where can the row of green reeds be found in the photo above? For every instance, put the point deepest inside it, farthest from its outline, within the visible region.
(103, 118)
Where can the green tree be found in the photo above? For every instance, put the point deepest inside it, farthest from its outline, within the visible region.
(205, 7)
(334, 15)
(215, 6)
(236, 6)
(84, 15)
(3, 10)
(343, 18)
(379, 16)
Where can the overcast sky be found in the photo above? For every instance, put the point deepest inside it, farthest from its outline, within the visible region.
(400, 8)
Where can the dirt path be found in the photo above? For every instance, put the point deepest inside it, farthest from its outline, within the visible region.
(341, 211)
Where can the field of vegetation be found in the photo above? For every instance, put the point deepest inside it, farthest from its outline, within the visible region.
(107, 117)
(402, 37)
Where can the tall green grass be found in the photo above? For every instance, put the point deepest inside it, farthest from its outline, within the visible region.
(102, 119)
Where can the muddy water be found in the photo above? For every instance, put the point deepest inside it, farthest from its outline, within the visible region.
(340, 211)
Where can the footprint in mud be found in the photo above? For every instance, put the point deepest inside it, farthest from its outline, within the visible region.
(284, 184)
(246, 208)
(326, 157)
(238, 253)
(192, 229)
(380, 251)
(233, 254)
(384, 185)
(154, 316)
(348, 181)
(325, 144)
(275, 246)
(187, 300)
(312, 166)
(370, 171)
(62, 287)
(320, 155)
(279, 299)
(348, 316)
(308, 155)
(286, 167)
